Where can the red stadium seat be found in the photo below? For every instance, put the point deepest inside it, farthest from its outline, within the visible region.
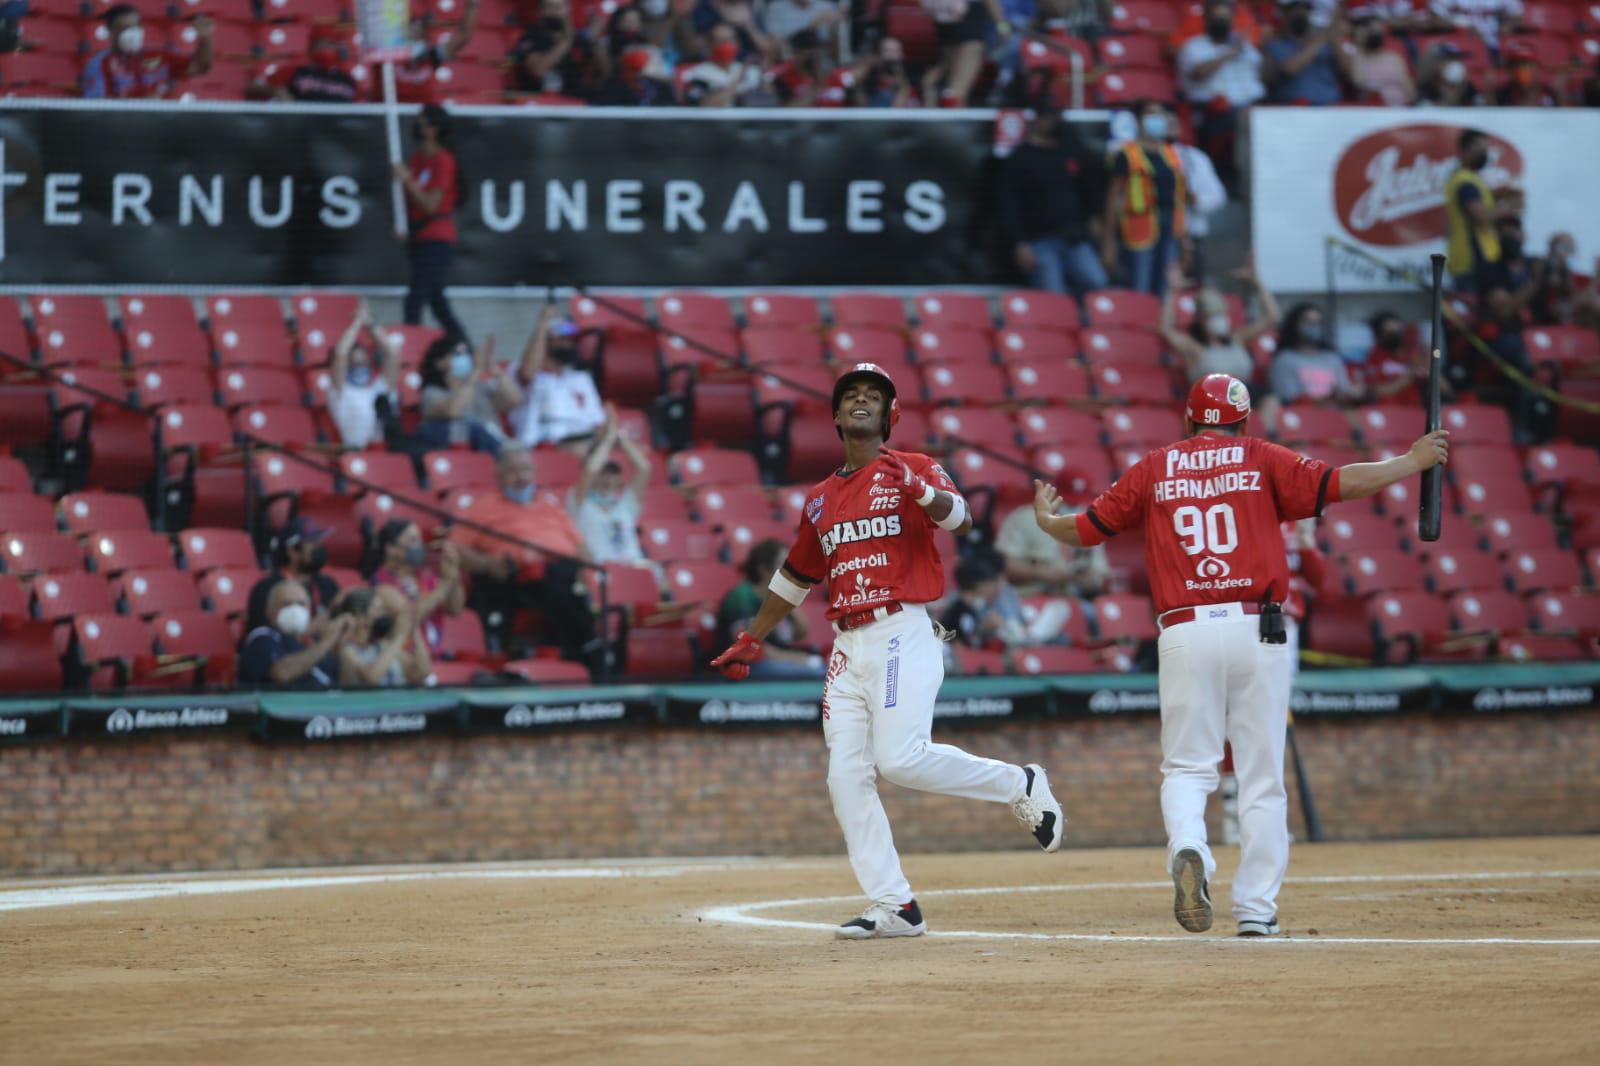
(1133, 51)
(151, 592)
(1339, 626)
(284, 40)
(1144, 426)
(1572, 347)
(1477, 424)
(1122, 617)
(792, 504)
(279, 475)
(1121, 348)
(1543, 568)
(1074, 626)
(664, 503)
(714, 466)
(1519, 531)
(76, 332)
(386, 470)
(1557, 18)
(83, 512)
(281, 424)
(14, 476)
(735, 502)
(679, 540)
(242, 386)
(1135, 384)
(1456, 571)
(1381, 571)
(1122, 88)
(782, 309)
(1122, 309)
(783, 344)
(23, 512)
(132, 549)
(1342, 533)
(208, 549)
(978, 384)
(410, 343)
(1033, 345)
(61, 36)
(743, 535)
(1079, 472)
(694, 313)
(147, 309)
(1542, 647)
(1315, 425)
(869, 309)
(548, 671)
(1489, 610)
(459, 469)
(803, 386)
(104, 640)
(15, 340)
(659, 653)
(1063, 426)
(1144, 16)
(1418, 619)
(988, 428)
(954, 310)
(39, 552)
(1002, 473)
(1040, 310)
(1053, 382)
(628, 587)
(377, 508)
(196, 634)
(87, 386)
(1566, 465)
(13, 598)
(706, 582)
(709, 353)
(977, 662)
(1489, 482)
(320, 319)
(196, 426)
(250, 343)
(28, 659)
(1389, 425)
(63, 595)
(1576, 612)
(233, 309)
(159, 386)
(610, 312)
(934, 344)
(341, 516)
(1454, 535)
(162, 341)
(226, 590)
(865, 344)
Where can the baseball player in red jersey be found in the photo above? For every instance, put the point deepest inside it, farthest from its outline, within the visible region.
(1211, 506)
(867, 537)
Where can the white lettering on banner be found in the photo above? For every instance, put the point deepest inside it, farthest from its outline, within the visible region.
(562, 207)
(798, 222)
(622, 206)
(863, 204)
(925, 211)
(1221, 485)
(13, 727)
(684, 201)
(861, 562)
(860, 529)
(746, 207)
(491, 212)
(258, 213)
(341, 209)
(192, 197)
(61, 194)
(130, 194)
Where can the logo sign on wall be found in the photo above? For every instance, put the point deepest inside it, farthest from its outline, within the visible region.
(1375, 177)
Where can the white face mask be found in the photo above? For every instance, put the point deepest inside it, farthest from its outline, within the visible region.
(131, 40)
(294, 618)
(655, 8)
(1219, 325)
(1455, 72)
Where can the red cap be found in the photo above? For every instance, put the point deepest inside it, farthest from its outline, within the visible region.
(1218, 400)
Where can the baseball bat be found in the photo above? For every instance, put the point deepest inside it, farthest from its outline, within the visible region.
(1308, 802)
(1432, 480)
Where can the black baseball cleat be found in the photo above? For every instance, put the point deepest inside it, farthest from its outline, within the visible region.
(1192, 907)
(884, 920)
(1257, 927)
(1038, 810)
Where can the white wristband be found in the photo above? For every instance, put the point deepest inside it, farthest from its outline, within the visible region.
(785, 589)
(928, 495)
(957, 515)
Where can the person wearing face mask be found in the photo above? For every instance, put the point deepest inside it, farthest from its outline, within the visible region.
(431, 182)
(434, 592)
(1471, 213)
(551, 56)
(1444, 79)
(632, 83)
(1377, 71)
(1524, 85)
(359, 379)
(382, 647)
(533, 559)
(723, 80)
(1507, 289)
(558, 401)
(298, 556)
(1300, 64)
(1395, 367)
(606, 503)
(1211, 344)
(463, 396)
(322, 79)
(414, 81)
(883, 81)
(1146, 204)
(1219, 72)
(784, 19)
(129, 71)
(291, 651)
(1553, 304)
(1305, 366)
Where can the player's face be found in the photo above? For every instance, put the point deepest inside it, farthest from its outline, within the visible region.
(860, 409)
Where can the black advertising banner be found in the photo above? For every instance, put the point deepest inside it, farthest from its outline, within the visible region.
(1347, 692)
(747, 704)
(285, 195)
(24, 720)
(535, 710)
(322, 716)
(134, 715)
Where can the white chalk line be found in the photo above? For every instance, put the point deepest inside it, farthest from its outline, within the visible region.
(741, 914)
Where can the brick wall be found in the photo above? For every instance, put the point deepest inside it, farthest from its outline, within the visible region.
(218, 803)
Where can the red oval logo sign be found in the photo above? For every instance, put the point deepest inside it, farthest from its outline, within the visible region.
(1388, 187)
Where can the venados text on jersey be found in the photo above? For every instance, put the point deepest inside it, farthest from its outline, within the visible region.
(1188, 488)
(1206, 459)
(860, 562)
(860, 529)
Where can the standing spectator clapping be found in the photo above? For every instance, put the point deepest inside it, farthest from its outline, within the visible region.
(883, 81)
(607, 504)
(1302, 66)
(1219, 72)
(1375, 70)
(1211, 344)
(364, 385)
(557, 402)
(552, 56)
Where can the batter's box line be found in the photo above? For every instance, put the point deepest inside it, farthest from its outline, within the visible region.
(742, 914)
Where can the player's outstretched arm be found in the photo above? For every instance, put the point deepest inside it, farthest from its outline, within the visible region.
(1063, 527)
(1357, 481)
(784, 594)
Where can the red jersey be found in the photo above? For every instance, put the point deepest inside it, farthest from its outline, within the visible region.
(1306, 572)
(1211, 507)
(868, 540)
(436, 171)
(113, 75)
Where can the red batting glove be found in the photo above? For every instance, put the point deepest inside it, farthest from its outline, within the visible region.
(735, 662)
(915, 485)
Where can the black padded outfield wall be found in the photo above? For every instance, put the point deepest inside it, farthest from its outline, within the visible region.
(264, 195)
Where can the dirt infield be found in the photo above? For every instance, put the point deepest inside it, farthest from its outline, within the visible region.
(1450, 952)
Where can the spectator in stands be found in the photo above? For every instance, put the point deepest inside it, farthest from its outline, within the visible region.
(323, 78)
(127, 70)
(1085, 19)
(414, 78)
(1553, 303)
(784, 19)
(724, 80)
(632, 85)
(1471, 212)
(1037, 564)
(462, 396)
(624, 31)
(534, 563)
(276, 654)
(607, 504)
(434, 592)
(755, 45)
(962, 27)
(976, 615)
(1146, 203)
(1207, 196)
(557, 402)
(383, 647)
(430, 179)
(883, 81)
(552, 56)
(363, 385)
(1394, 367)
(799, 80)
(1302, 64)
(1194, 24)
(1046, 203)
(1507, 288)
(1490, 18)
(1591, 87)
(1443, 77)
(1305, 366)
(298, 557)
(1211, 344)
(1376, 71)
(1219, 72)
(782, 658)
(1525, 85)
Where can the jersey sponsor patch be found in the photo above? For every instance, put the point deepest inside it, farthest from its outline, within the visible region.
(814, 509)
(860, 562)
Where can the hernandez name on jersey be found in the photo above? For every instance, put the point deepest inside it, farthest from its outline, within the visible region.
(1210, 507)
(868, 541)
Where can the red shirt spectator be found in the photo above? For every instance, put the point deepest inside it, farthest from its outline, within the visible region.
(1390, 372)
(129, 71)
(434, 171)
(322, 80)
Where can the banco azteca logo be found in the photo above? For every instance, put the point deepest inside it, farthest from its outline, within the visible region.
(1212, 568)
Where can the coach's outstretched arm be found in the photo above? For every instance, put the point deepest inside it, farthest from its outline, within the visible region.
(1063, 527)
(1357, 481)
(785, 592)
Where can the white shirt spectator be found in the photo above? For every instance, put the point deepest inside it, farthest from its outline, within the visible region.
(1238, 80)
(1485, 16)
(355, 413)
(947, 10)
(611, 529)
(562, 403)
(1207, 195)
(785, 18)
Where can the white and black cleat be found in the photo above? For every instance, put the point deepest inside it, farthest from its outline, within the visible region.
(884, 920)
(1192, 905)
(1255, 927)
(1038, 810)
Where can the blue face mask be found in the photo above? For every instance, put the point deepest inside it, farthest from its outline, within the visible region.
(1154, 126)
(360, 376)
(460, 365)
(522, 495)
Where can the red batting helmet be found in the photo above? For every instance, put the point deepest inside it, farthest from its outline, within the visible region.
(1218, 400)
(874, 373)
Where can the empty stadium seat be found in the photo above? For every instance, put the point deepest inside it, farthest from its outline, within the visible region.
(23, 512)
(1455, 571)
(866, 344)
(1079, 472)
(1065, 426)
(870, 309)
(1122, 308)
(954, 310)
(226, 590)
(1573, 347)
(242, 386)
(1543, 568)
(1002, 472)
(282, 424)
(977, 662)
(1519, 531)
(1477, 424)
(253, 343)
(714, 466)
(1314, 424)
(82, 512)
(39, 552)
(1487, 610)
(1418, 620)
(1040, 310)
(13, 597)
(196, 634)
(65, 594)
(1542, 647)
(980, 384)
(1035, 345)
(1489, 482)
(386, 470)
(208, 549)
(694, 313)
(167, 342)
(706, 582)
(732, 502)
(548, 671)
(459, 469)
(1367, 572)
(114, 648)
(118, 550)
(778, 345)
(1135, 384)
(14, 477)
(1345, 532)
(782, 309)
(1564, 465)
(659, 653)
(1121, 617)
(951, 345)
(744, 534)
(679, 540)
(1389, 425)
(956, 426)
(1144, 426)
(1053, 382)
(152, 592)
(160, 386)
(283, 475)
(28, 659)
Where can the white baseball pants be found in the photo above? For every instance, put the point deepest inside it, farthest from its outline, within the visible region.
(1219, 682)
(878, 718)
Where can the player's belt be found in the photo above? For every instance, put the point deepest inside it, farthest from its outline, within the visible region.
(1207, 613)
(856, 619)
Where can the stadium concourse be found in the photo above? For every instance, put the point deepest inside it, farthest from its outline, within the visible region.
(121, 545)
(1448, 952)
